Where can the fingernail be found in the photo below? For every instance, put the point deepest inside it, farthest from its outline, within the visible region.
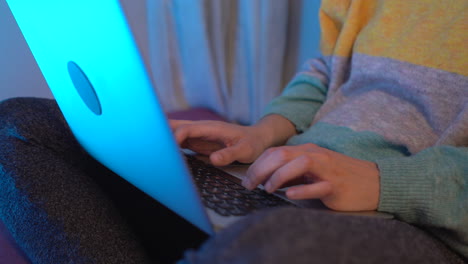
(246, 183)
(216, 158)
(291, 193)
(268, 187)
(219, 157)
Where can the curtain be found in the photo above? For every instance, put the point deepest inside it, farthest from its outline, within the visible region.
(231, 56)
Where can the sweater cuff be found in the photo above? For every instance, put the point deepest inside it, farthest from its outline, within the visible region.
(404, 189)
(301, 121)
(299, 102)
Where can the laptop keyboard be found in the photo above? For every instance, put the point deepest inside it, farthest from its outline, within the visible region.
(224, 194)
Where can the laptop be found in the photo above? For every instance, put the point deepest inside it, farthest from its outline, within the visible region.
(88, 56)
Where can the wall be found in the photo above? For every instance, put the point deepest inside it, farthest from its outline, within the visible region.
(19, 73)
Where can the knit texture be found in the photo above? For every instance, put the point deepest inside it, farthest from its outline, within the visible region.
(62, 206)
(394, 90)
(291, 235)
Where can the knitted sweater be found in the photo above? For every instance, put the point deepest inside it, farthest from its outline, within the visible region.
(392, 88)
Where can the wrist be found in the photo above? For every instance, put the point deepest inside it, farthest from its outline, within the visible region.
(274, 130)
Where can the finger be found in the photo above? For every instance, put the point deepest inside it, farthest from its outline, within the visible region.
(291, 171)
(225, 156)
(174, 124)
(266, 165)
(293, 182)
(241, 152)
(202, 146)
(316, 190)
(199, 130)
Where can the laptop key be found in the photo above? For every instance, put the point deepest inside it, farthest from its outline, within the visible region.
(244, 207)
(205, 194)
(226, 189)
(236, 186)
(225, 205)
(236, 194)
(209, 180)
(211, 205)
(226, 182)
(225, 195)
(214, 190)
(218, 178)
(237, 202)
(238, 212)
(217, 184)
(270, 203)
(222, 211)
(214, 199)
(257, 204)
(245, 192)
(257, 196)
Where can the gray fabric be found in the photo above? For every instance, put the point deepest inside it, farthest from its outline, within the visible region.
(55, 211)
(240, 52)
(63, 207)
(291, 235)
(432, 101)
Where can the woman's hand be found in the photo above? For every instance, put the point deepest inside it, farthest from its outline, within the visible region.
(226, 142)
(223, 142)
(341, 182)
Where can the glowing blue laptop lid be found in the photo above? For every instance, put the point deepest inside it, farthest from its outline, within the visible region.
(88, 56)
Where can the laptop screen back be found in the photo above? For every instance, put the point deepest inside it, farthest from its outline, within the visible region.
(88, 56)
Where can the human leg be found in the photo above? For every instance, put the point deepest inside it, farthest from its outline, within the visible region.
(62, 206)
(50, 205)
(291, 235)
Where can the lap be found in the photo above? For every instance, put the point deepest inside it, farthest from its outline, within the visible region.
(60, 204)
(291, 235)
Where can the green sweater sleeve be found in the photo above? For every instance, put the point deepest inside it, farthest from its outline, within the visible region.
(429, 189)
(299, 101)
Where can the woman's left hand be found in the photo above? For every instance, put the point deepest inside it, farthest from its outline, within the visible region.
(342, 183)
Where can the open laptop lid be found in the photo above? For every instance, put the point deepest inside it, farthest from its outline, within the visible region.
(87, 54)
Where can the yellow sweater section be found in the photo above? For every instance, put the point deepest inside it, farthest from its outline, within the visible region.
(431, 33)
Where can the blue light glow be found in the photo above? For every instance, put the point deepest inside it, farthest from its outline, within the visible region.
(131, 137)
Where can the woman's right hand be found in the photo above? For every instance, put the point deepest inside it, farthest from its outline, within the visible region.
(226, 142)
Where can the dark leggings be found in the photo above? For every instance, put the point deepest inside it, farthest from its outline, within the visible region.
(62, 206)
